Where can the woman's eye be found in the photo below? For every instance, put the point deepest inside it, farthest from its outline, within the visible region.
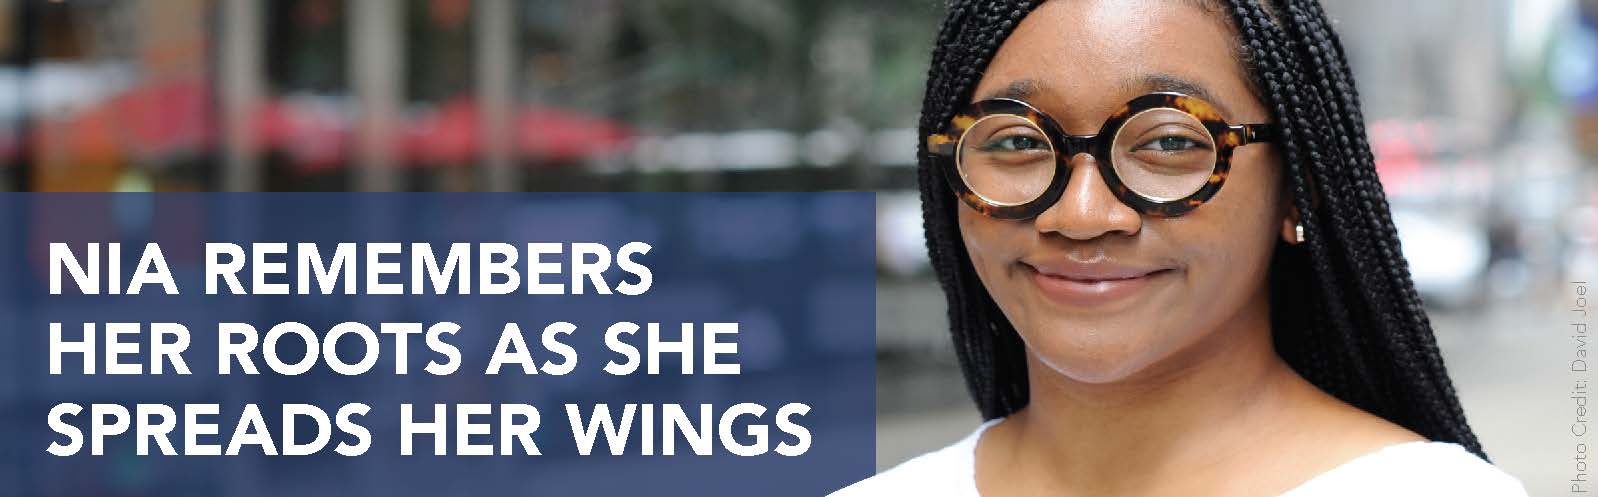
(1014, 144)
(1172, 144)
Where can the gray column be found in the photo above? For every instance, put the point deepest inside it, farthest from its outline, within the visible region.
(496, 55)
(377, 76)
(240, 83)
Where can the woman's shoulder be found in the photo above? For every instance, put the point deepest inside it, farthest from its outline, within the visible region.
(1414, 468)
(1380, 458)
(949, 471)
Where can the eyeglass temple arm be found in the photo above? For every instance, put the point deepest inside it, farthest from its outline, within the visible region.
(1260, 132)
(940, 144)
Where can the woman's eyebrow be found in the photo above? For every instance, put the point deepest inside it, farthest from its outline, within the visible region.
(1023, 89)
(1019, 89)
(1169, 83)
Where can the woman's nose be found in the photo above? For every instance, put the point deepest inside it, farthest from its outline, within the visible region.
(1087, 208)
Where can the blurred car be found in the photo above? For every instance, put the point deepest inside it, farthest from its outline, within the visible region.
(1448, 258)
(1439, 186)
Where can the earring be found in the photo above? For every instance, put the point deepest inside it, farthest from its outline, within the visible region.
(1298, 231)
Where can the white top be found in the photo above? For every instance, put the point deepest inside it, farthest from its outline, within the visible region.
(1406, 469)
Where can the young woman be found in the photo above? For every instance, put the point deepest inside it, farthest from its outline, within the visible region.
(1169, 264)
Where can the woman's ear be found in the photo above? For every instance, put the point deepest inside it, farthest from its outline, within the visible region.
(1292, 231)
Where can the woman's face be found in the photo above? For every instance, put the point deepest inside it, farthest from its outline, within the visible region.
(1097, 291)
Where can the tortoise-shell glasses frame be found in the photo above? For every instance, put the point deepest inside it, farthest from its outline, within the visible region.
(944, 148)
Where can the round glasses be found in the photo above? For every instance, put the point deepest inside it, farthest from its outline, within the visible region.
(1163, 154)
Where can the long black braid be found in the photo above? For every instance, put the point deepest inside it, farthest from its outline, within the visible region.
(1344, 311)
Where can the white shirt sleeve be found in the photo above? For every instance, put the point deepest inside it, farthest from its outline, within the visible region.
(1415, 469)
(946, 472)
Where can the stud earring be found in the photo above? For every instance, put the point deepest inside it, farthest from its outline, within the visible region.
(1298, 231)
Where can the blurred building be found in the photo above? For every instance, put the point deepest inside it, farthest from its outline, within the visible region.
(458, 94)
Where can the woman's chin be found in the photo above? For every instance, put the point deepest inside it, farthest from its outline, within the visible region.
(1099, 362)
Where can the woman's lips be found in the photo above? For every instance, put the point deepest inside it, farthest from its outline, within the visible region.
(1091, 284)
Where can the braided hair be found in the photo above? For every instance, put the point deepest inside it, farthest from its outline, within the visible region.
(1344, 311)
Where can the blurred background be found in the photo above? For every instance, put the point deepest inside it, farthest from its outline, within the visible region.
(1483, 115)
(460, 94)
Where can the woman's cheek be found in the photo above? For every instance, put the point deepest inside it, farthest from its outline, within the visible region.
(990, 243)
(994, 246)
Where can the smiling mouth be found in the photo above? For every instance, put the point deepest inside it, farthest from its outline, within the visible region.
(1092, 287)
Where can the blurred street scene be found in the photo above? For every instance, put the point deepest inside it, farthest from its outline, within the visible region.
(460, 94)
(1483, 115)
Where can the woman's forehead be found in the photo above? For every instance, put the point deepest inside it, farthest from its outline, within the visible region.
(1088, 57)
